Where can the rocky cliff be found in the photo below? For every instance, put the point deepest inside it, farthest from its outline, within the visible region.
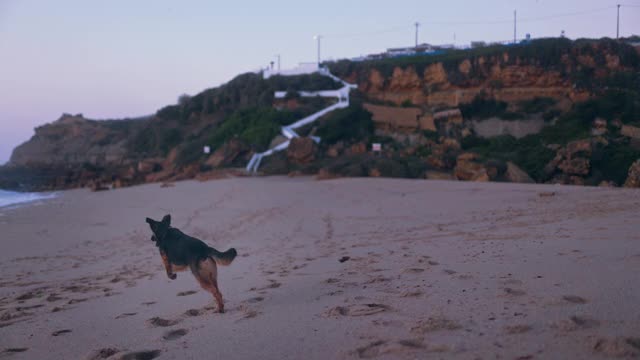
(74, 140)
(499, 113)
(553, 68)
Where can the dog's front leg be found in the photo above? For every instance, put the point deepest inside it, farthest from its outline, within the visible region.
(167, 265)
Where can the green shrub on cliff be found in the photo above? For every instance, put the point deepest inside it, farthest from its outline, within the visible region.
(612, 162)
(256, 126)
(242, 107)
(536, 105)
(483, 107)
(530, 152)
(351, 124)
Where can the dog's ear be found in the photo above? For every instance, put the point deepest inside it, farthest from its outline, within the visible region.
(167, 220)
(149, 221)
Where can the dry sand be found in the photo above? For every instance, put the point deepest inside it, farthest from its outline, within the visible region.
(430, 269)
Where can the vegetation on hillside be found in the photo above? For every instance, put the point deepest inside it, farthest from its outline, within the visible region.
(241, 108)
(609, 162)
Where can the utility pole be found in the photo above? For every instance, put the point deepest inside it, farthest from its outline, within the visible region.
(417, 24)
(618, 27)
(278, 56)
(515, 26)
(318, 37)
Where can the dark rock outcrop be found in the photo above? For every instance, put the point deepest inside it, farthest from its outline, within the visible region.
(517, 175)
(572, 160)
(227, 154)
(469, 169)
(633, 179)
(301, 150)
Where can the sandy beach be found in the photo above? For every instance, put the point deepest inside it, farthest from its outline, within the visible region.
(337, 269)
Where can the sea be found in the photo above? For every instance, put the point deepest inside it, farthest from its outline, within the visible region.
(11, 198)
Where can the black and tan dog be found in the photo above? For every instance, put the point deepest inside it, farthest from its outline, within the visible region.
(179, 251)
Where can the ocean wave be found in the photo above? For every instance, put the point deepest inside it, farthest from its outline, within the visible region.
(9, 198)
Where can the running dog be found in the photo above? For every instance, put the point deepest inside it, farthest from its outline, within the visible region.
(179, 251)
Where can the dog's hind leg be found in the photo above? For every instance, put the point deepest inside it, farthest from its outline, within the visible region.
(167, 266)
(217, 294)
(206, 273)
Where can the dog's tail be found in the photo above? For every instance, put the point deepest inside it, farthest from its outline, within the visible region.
(223, 258)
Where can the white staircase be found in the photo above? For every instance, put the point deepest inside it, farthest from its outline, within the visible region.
(288, 131)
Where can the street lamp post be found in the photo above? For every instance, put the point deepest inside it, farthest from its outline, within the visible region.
(318, 38)
(618, 24)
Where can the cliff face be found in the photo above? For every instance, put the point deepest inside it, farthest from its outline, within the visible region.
(506, 76)
(432, 88)
(74, 140)
(435, 104)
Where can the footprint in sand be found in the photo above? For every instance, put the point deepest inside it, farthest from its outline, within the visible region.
(409, 294)
(31, 294)
(141, 355)
(148, 303)
(433, 324)
(250, 314)
(54, 297)
(413, 271)
(60, 332)
(574, 299)
(193, 312)
(617, 347)
(101, 354)
(255, 299)
(125, 315)
(357, 310)
(186, 293)
(377, 279)
(575, 323)
(514, 292)
(517, 329)
(272, 285)
(382, 347)
(75, 301)
(23, 308)
(174, 334)
(160, 322)
(14, 350)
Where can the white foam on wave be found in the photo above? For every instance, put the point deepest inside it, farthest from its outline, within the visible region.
(10, 198)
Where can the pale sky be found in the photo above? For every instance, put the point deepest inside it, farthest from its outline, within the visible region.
(119, 58)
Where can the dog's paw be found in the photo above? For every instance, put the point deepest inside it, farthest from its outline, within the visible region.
(172, 276)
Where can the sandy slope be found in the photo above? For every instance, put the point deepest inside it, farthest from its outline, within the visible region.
(435, 270)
